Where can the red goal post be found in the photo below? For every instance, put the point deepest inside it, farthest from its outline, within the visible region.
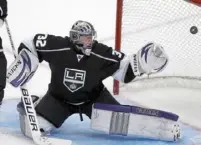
(175, 24)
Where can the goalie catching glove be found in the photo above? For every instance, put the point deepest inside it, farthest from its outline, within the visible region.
(22, 69)
(150, 59)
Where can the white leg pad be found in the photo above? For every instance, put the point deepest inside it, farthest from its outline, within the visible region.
(45, 126)
(135, 121)
(153, 127)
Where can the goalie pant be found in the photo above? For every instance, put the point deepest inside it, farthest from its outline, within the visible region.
(3, 66)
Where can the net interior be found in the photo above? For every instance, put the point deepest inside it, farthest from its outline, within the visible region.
(176, 25)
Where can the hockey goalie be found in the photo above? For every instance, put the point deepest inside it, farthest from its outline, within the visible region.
(79, 64)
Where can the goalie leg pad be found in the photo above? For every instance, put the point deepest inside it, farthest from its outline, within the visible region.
(45, 126)
(135, 121)
(111, 119)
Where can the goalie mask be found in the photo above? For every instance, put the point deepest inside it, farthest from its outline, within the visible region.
(83, 35)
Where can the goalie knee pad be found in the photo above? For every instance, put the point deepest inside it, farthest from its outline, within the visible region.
(135, 121)
(45, 126)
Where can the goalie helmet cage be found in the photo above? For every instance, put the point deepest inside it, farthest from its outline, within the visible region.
(176, 25)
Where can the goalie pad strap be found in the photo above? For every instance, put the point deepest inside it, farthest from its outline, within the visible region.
(119, 123)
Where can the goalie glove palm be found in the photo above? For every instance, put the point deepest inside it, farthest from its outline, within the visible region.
(150, 59)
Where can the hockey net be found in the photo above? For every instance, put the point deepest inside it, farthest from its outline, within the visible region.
(176, 25)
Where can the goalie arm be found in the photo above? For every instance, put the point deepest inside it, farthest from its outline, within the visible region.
(149, 60)
(124, 73)
(24, 66)
(32, 51)
(113, 63)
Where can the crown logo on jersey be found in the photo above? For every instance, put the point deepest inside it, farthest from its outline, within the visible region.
(73, 86)
(79, 57)
(74, 79)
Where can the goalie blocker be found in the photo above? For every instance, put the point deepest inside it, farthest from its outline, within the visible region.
(22, 69)
(135, 121)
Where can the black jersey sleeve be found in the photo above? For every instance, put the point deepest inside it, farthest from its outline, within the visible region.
(44, 45)
(112, 62)
(110, 58)
(46, 42)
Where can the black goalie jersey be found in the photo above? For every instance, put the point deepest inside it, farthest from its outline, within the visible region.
(75, 77)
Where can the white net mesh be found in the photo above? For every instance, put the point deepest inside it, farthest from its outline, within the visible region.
(176, 25)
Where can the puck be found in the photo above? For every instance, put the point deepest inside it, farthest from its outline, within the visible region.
(194, 30)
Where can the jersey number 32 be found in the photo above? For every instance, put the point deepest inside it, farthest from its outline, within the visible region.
(41, 40)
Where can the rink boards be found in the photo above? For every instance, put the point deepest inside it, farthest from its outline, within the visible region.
(80, 132)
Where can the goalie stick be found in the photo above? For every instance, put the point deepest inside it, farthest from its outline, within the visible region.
(30, 110)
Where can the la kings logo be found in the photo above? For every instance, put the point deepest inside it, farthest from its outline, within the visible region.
(74, 79)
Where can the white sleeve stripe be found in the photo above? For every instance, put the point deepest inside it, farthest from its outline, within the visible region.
(1, 50)
(104, 57)
(1, 11)
(62, 49)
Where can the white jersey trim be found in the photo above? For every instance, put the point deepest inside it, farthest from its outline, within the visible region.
(104, 57)
(1, 11)
(62, 49)
(121, 72)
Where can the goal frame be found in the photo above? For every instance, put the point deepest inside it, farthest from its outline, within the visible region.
(119, 11)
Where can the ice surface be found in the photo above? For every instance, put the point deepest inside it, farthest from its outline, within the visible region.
(77, 131)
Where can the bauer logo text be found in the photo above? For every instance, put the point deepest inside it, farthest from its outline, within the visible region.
(29, 110)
